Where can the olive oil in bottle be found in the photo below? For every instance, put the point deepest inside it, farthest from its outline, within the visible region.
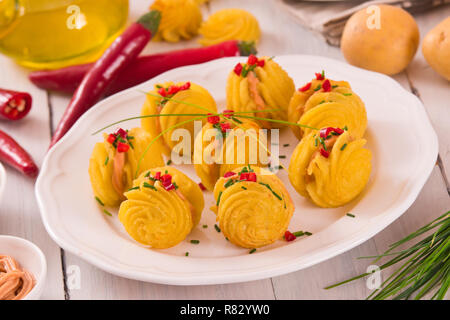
(48, 34)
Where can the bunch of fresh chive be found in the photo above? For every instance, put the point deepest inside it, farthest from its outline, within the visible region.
(425, 269)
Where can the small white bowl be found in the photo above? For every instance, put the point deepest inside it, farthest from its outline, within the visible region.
(2, 180)
(30, 257)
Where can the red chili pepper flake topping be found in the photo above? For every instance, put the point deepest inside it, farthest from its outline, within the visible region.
(324, 153)
(320, 76)
(111, 138)
(122, 147)
(162, 92)
(224, 126)
(229, 174)
(157, 175)
(305, 87)
(248, 176)
(121, 133)
(289, 236)
(252, 60)
(213, 119)
(326, 86)
(172, 90)
(261, 63)
(228, 113)
(238, 69)
(202, 187)
(324, 132)
(166, 181)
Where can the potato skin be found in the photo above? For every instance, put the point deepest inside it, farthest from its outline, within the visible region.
(436, 48)
(388, 49)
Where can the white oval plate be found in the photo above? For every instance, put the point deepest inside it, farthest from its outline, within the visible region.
(399, 134)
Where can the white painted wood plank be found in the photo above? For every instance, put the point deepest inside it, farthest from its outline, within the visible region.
(19, 214)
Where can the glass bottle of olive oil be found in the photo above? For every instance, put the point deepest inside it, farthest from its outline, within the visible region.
(47, 34)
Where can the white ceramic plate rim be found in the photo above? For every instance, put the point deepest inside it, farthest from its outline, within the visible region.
(407, 197)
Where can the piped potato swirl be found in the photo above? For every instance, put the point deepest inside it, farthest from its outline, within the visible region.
(330, 169)
(260, 85)
(253, 207)
(239, 144)
(322, 103)
(229, 24)
(185, 95)
(180, 19)
(162, 208)
(114, 163)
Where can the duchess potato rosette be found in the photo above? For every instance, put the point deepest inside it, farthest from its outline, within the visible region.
(185, 95)
(114, 163)
(260, 85)
(253, 207)
(180, 19)
(240, 144)
(322, 103)
(331, 167)
(229, 24)
(162, 208)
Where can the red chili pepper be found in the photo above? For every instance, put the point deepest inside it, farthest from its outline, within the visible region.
(213, 119)
(229, 174)
(162, 92)
(14, 155)
(238, 69)
(305, 87)
(157, 175)
(338, 130)
(324, 153)
(142, 69)
(185, 86)
(289, 236)
(261, 63)
(326, 86)
(202, 187)
(121, 133)
(324, 132)
(122, 147)
(107, 69)
(14, 105)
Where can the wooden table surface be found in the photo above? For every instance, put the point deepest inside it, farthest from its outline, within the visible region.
(19, 214)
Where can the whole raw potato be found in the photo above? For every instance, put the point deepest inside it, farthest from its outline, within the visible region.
(436, 48)
(381, 38)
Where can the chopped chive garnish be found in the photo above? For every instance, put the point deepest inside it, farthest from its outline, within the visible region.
(226, 238)
(298, 233)
(218, 198)
(131, 145)
(286, 145)
(347, 94)
(217, 228)
(346, 128)
(316, 142)
(148, 185)
(205, 226)
(107, 212)
(169, 162)
(282, 157)
(147, 174)
(134, 188)
(106, 160)
(252, 251)
(323, 101)
(236, 120)
(244, 188)
(175, 185)
(100, 201)
(229, 183)
(318, 87)
(335, 86)
(273, 192)
(195, 241)
(343, 147)
(186, 254)
(351, 215)
(308, 233)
